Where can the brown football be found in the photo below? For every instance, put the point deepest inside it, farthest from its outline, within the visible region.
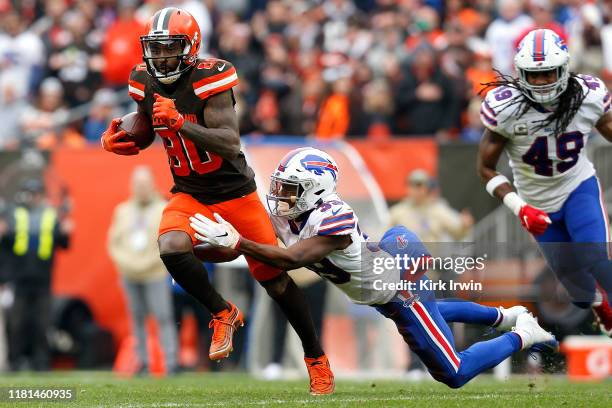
(138, 128)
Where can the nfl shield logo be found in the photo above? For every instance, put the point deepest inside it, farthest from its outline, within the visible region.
(401, 242)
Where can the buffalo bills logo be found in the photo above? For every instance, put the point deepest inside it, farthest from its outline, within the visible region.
(317, 165)
(560, 43)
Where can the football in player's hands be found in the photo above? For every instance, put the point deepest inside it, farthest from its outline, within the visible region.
(138, 127)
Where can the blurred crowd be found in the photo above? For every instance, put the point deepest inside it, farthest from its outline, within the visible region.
(329, 69)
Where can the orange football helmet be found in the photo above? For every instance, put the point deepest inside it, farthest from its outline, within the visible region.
(171, 44)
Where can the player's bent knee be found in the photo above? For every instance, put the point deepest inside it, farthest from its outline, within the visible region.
(452, 380)
(395, 230)
(277, 285)
(173, 242)
(456, 381)
(400, 240)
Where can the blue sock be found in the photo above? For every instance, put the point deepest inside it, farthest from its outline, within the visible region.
(456, 310)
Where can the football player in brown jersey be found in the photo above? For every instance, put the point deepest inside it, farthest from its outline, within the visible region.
(191, 105)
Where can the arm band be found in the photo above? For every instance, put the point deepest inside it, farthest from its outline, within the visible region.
(514, 202)
(496, 182)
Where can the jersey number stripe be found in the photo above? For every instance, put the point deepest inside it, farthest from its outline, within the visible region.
(568, 146)
(183, 155)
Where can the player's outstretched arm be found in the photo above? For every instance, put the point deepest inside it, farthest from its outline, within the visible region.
(604, 126)
(303, 253)
(491, 147)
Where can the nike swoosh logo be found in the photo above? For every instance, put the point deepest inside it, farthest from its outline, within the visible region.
(336, 212)
(221, 236)
(221, 67)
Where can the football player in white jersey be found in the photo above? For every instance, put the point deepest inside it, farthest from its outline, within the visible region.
(543, 119)
(321, 232)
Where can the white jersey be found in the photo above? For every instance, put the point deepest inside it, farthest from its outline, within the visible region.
(349, 268)
(546, 168)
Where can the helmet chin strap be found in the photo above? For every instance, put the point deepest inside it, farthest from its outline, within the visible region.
(170, 79)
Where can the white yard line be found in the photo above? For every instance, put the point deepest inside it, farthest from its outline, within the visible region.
(326, 400)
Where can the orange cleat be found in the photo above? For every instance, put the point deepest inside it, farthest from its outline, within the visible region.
(321, 376)
(224, 324)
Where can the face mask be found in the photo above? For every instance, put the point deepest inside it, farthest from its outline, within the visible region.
(283, 209)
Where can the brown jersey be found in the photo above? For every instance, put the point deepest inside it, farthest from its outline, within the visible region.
(206, 176)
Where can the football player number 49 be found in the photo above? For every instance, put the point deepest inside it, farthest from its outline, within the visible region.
(568, 150)
(184, 157)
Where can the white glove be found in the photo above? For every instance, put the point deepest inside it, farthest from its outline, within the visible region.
(220, 233)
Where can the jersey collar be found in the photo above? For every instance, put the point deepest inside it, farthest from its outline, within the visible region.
(543, 109)
(297, 227)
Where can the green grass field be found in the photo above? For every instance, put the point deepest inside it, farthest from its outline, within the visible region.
(102, 389)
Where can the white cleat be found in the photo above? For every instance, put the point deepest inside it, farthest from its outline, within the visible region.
(509, 316)
(534, 337)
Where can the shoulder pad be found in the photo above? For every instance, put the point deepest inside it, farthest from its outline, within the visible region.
(212, 76)
(494, 109)
(334, 217)
(136, 83)
(597, 94)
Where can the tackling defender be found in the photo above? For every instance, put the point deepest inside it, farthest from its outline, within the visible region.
(191, 104)
(321, 232)
(542, 119)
